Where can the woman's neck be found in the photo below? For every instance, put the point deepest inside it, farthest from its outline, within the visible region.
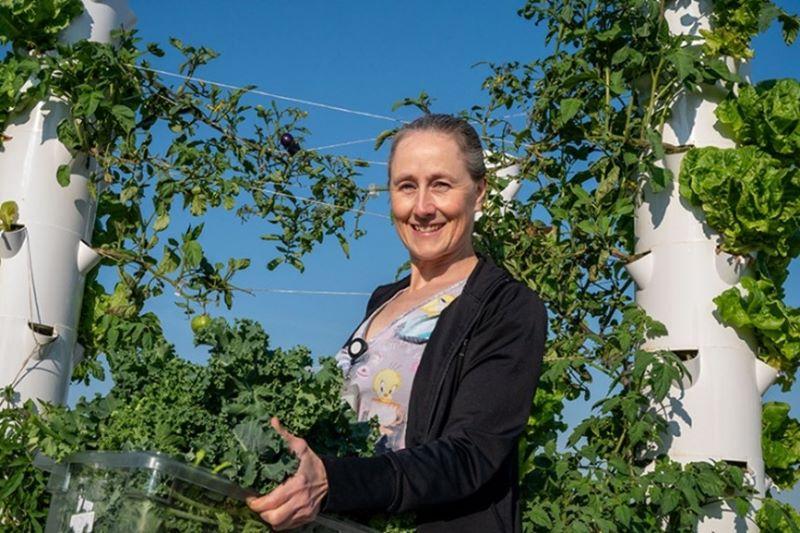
(442, 272)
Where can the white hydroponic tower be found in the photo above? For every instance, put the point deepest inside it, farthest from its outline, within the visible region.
(717, 414)
(43, 263)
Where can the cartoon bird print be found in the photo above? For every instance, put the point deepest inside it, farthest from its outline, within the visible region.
(418, 330)
(435, 307)
(390, 413)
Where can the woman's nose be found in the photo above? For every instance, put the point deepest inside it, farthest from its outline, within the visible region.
(424, 206)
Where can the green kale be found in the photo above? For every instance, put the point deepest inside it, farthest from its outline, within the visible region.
(215, 414)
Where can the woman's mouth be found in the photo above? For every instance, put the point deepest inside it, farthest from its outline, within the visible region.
(427, 228)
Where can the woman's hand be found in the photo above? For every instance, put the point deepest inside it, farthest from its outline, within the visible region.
(297, 500)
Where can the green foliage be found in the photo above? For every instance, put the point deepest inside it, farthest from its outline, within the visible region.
(735, 22)
(214, 415)
(218, 153)
(35, 24)
(619, 497)
(746, 195)
(766, 115)
(600, 482)
(9, 214)
(214, 152)
(776, 325)
(594, 109)
(23, 503)
(781, 444)
(15, 72)
(109, 322)
(777, 517)
(594, 112)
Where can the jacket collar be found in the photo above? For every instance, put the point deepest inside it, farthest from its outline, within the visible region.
(479, 283)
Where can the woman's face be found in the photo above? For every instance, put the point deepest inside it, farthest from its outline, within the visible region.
(433, 197)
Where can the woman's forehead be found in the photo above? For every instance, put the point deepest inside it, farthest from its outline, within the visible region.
(423, 154)
(419, 138)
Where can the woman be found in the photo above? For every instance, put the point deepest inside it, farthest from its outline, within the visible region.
(468, 337)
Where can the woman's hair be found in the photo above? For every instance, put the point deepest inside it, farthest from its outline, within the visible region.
(459, 129)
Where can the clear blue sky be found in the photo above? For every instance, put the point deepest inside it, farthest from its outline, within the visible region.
(365, 56)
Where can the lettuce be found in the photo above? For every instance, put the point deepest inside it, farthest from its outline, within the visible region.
(775, 325)
(780, 440)
(777, 517)
(766, 115)
(747, 196)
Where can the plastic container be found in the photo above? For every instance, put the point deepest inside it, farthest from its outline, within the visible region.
(143, 492)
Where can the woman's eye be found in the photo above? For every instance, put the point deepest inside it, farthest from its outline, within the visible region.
(441, 185)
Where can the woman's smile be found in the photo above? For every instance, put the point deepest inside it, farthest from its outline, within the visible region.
(427, 229)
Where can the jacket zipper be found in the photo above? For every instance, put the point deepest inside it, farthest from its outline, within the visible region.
(461, 350)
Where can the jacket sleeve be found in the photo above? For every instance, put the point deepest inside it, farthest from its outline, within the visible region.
(488, 413)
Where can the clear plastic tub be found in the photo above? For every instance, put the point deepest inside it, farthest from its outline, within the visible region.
(143, 492)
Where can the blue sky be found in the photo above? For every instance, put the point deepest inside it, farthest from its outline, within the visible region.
(363, 56)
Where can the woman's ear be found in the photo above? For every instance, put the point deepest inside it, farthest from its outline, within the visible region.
(481, 189)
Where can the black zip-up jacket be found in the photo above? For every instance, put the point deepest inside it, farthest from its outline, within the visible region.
(470, 401)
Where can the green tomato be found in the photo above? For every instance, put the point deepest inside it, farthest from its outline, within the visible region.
(200, 322)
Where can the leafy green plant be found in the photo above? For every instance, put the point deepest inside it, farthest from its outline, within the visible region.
(17, 90)
(594, 110)
(218, 154)
(23, 501)
(751, 195)
(214, 415)
(9, 214)
(776, 326)
(735, 22)
(746, 195)
(33, 24)
(778, 517)
(766, 115)
(781, 443)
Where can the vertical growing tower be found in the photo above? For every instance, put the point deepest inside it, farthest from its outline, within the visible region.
(43, 262)
(716, 413)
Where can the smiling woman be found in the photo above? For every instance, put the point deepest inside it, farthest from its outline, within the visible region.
(447, 361)
(433, 197)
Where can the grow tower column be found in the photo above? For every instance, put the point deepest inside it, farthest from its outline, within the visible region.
(716, 414)
(44, 261)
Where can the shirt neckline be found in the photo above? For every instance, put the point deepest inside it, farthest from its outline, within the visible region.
(366, 324)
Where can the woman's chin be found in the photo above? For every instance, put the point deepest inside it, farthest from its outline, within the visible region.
(435, 255)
